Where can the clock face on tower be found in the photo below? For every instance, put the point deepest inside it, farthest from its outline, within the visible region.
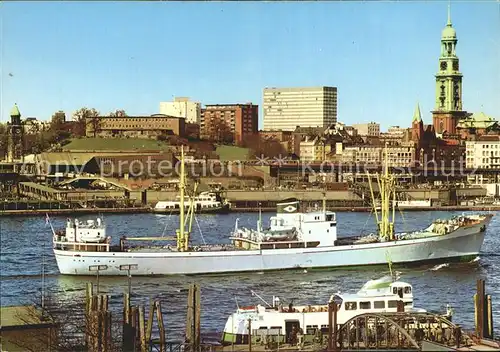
(443, 65)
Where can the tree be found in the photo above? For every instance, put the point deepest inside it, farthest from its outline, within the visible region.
(264, 147)
(118, 113)
(59, 130)
(86, 120)
(4, 138)
(218, 130)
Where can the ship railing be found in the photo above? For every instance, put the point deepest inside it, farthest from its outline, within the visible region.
(82, 246)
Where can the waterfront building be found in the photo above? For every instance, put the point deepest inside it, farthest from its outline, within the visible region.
(397, 156)
(314, 149)
(448, 109)
(135, 126)
(182, 107)
(396, 131)
(371, 129)
(287, 108)
(483, 153)
(229, 122)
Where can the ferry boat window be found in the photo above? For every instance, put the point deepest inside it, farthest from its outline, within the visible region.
(395, 290)
(379, 304)
(351, 305)
(408, 303)
(365, 305)
(407, 290)
(392, 304)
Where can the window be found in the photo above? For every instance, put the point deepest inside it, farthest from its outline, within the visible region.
(392, 304)
(407, 290)
(365, 305)
(379, 304)
(351, 305)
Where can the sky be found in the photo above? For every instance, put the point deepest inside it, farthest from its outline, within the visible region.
(381, 55)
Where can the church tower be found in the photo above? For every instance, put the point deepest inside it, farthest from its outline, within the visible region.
(417, 126)
(15, 134)
(448, 107)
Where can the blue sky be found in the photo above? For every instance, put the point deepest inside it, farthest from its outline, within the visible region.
(382, 56)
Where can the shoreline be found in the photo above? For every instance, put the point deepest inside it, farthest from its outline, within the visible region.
(143, 210)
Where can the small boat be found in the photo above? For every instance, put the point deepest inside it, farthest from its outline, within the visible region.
(205, 202)
(376, 296)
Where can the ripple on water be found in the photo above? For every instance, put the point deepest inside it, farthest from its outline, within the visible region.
(23, 240)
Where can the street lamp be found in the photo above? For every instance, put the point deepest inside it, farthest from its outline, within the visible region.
(97, 268)
(129, 267)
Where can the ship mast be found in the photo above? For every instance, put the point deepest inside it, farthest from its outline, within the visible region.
(182, 234)
(387, 190)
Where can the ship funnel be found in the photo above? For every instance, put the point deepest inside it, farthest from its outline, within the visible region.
(288, 206)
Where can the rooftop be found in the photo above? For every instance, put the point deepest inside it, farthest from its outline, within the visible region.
(18, 316)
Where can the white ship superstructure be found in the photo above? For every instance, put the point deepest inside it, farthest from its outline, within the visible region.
(294, 239)
(205, 202)
(277, 320)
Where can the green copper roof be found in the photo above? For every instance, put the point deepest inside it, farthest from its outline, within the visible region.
(478, 120)
(15, 111)
(417, 116)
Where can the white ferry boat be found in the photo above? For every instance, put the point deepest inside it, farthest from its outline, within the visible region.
(376, 296)
(295, 239)
(205, 202)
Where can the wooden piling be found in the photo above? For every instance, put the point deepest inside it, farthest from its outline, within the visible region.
(142, 330)
(88, 308)
(151, 314)
(490, 317)
(480, 308)
(134, 323)
(249, 335)
(161, 328)
(193, 317)
(330, 326)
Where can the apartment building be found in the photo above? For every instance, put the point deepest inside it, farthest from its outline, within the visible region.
(371, 129)
(287, 108)
(135, 126)
(314, 149)
(182, 107)
(229, 122)
(397, 156)
(483, 153)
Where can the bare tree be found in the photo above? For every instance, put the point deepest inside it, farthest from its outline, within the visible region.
(84, 118)
(3, 141)
(118, 113)
(219, 131)
(262, 147)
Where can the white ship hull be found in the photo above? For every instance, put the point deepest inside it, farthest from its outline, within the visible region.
(464, 243)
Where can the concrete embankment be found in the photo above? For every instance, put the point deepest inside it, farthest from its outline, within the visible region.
(141, 210)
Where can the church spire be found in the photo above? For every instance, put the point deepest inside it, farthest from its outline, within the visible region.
(449, 15)
(417, 116)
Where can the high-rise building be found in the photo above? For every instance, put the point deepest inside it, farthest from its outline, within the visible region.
(182, 107)
(448, 107)
(229, 122)
(287, 108)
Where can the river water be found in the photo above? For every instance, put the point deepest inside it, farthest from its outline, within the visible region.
(26, 243)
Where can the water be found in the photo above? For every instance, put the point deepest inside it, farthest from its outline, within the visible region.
(23, 240)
